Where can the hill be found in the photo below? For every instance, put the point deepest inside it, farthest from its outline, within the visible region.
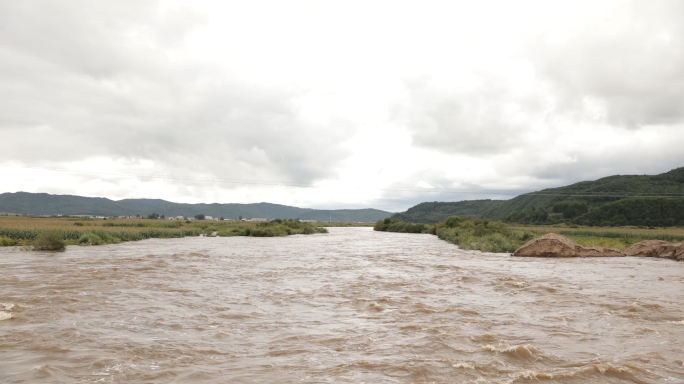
(581, 202)
(46, 204)
(598, 192)
(429, 213)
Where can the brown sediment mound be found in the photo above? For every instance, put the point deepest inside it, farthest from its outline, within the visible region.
(555, 245)
(657, 248)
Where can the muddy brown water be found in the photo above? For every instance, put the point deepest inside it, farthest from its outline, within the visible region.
(351, 306)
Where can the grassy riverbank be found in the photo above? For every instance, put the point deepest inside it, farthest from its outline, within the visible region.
(23, 231)
(611, 237)
(482, 235)
(495, 236)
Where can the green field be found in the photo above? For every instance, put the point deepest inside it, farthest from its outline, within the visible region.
(22, 231)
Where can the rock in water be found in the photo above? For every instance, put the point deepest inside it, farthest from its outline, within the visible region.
(657, 248)
(555, 245)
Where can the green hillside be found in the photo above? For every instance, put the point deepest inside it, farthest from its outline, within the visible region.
(598, 192)
(45, 204)
(655, 212)
(435, 212)
(615, 200)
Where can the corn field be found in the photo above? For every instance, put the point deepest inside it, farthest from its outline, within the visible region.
(23, 230)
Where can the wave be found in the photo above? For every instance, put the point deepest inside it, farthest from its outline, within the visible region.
(522, 351)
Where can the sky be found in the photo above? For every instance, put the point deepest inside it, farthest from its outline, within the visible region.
(336, 104)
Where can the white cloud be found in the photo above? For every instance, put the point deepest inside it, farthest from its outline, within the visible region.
(367, 104)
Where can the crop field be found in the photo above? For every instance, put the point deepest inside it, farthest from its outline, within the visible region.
(20, 231)
(612, 237)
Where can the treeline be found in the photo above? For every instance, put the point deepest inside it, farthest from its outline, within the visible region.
(478, 234)
(560, 212)
(656, 212)
(647, 212)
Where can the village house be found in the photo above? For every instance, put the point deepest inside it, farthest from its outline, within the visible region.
(258, 219)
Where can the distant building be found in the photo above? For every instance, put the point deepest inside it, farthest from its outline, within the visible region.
(179, 218)
(257, 219)
(208, 217)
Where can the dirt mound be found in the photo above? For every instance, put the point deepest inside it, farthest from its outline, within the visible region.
(555, 245)
(657, 248)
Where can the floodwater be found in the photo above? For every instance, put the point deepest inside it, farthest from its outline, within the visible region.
(351, 306)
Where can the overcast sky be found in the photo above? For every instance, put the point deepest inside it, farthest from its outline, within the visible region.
(342, 104)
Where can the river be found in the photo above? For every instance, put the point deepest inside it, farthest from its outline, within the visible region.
(351, 306)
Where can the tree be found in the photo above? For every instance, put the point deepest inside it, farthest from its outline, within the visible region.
(153, 216)
(162, 217)
(221, 218)
(200, 217)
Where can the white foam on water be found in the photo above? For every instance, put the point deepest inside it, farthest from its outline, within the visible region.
(6, 316)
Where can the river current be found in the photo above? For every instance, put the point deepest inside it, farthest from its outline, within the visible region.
(351, 306)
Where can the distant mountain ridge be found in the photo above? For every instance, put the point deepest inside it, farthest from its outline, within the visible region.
(46, 204)
(598, 197)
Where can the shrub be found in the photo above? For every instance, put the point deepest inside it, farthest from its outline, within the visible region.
(394, 225)
(49, 241)
(6, 241)
(98, 237)
(90, 238)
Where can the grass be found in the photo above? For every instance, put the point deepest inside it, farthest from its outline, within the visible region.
(481, 235)
(610, 237)
(23, 231)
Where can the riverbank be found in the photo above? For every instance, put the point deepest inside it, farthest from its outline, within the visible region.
(494, 236)
(609, 237)
(22, 231)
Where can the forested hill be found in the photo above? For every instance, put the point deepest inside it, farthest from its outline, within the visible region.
(46, 204)
(570, 202)
(598, 192)
(434, 212)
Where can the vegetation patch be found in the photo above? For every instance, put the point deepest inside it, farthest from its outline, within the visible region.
(394, 225)
(49, 241)
(25, 231)
(479, 234)
(482, 235)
